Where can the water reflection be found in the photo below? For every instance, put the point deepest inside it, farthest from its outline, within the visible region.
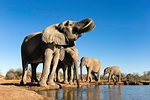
(100, 92)
(114, 92)
(94, 92)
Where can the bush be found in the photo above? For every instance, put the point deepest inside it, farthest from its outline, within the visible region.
(29, 73)
(103, 77)
(18, 73)
(123, 77)
(146, 76)
(1, 76)
(10, 75)
(130, 77)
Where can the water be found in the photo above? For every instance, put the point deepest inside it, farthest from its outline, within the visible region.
(101, 92)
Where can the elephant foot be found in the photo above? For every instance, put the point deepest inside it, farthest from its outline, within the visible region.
(21, 83)
(65, 82)
(87, 81)
(42, 83)
(57, 80)
(70, 82)
(51, 83)
(34, 80)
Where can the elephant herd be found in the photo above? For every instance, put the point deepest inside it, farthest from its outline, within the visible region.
(52, 47)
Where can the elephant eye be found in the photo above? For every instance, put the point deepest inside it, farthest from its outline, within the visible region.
(74, 30)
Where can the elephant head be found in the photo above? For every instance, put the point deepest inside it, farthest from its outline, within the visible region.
(67, 32)
(106, 70)
(84, 62)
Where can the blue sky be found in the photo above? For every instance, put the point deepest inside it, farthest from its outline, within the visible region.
(121, 36)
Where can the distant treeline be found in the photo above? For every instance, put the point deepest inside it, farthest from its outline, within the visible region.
(17, 74)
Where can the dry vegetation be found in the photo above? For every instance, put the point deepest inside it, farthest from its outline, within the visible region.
(17, 74)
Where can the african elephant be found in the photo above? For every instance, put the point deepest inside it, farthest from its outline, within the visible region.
(114, 70)
(93, 66)
(42, 47)
(68, 61)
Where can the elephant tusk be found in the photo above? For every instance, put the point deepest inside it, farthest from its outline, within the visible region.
(91, 29)
(87, 25)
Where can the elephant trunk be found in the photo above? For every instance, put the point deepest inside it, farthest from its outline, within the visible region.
(81, 66)
(104, 74)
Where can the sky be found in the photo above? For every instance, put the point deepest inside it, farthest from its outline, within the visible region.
(121, 36)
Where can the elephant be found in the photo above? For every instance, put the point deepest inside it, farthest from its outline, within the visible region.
(114, 70)
(43, 47)
(93, 66)
(68, 61)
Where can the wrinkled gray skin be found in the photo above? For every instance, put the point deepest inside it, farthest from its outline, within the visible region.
(93, 66)
(42, 47)
(68, 62)
(114, 70)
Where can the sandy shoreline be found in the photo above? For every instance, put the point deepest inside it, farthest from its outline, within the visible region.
(9, 91)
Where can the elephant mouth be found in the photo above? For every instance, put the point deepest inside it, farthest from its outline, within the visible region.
(88, 25)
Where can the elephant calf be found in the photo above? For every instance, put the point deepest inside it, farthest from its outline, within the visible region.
(68, 61)
(114, 70)
(93, 66)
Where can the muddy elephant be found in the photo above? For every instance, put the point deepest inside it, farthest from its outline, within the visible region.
(93, 66)
(43, 47)
(113, 71)
(68, 61)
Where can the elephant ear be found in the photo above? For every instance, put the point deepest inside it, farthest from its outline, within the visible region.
(52, 35)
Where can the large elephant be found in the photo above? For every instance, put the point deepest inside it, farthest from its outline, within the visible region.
(42, 47)
(93, 66)
(68, 62)
(114, 70)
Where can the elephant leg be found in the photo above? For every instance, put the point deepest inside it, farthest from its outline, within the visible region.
(74, 75)
(98, 76)
(89, 74)
(58, 75)
(55, 63)
(24, 74)
(90, 78)
(94, 76)
(113, 78)
(34, 77)
(47, 61)
(71, 77)
(109, 77)
(119, 77)
(65, 75)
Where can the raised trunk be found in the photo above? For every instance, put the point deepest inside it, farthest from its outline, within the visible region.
(104, 74)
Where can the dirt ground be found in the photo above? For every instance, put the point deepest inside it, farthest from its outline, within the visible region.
(10, 90)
